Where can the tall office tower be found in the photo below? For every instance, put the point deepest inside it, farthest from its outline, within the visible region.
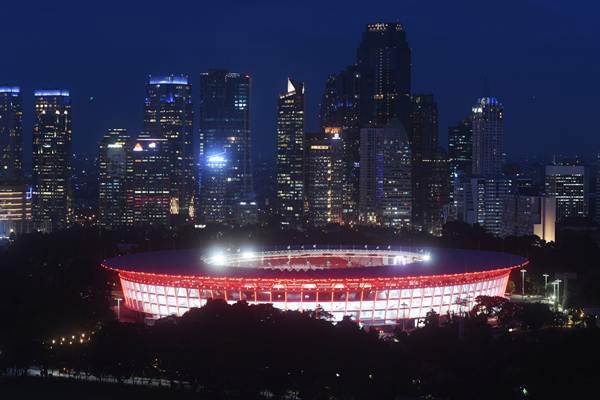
(384, 64)
(52, 194)
(213, 208)
(489, 195)
(168, 115)
(15, 195)
(340, 108)
(325, 177)
(385, 176)
(488, 137)
(149, 186)
(11, 134)
(428, 164)
(526, 215)
(113, 161)
(225, 132)
(460, 146)
(290, 154)
(460, 158)
(568, 184)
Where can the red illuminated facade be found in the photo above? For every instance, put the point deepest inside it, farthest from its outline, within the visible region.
(374, 287)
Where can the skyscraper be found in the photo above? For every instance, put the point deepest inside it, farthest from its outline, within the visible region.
(340, 108)
(489, 195)
(290, 154)
(568, 183)
(460, 146)
(325, 177)
(488, 137)
(384, 64)
(430, 177)
(112, 186)
(149, 186)
(225, 132)
(385, 176)
(168, 115)
(52, 154)
(213, 208)
(11, 134)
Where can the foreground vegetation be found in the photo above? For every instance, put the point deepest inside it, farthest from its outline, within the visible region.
(52, 288)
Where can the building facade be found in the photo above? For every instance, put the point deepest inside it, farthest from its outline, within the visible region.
(385, 176)
(487, 119)
(290, 154)
(225, 132)
(488, 197)
(526, 215)
(325, 169)
(52, 192)
(460, 147)
(168, 115)
(113, 165)
(11, 134)
(340, 108)
(568, 184)
(384, 64)
(149, 188)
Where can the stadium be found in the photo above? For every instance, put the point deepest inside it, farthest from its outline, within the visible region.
(374, 286)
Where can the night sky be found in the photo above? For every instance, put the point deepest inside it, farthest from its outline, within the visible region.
(541, 58)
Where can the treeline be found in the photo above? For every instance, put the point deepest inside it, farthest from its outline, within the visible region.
(256, 351)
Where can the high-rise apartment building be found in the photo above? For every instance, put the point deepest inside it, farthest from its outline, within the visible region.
(290, 154)
(168, 115)
(213, 207)
(487, 119)
(567, 183)
(52, 194)
(225, 132)
(385, 176)
(113, 165)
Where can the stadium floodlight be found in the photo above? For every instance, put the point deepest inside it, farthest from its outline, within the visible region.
(218, 258)
(426, 257)
(248, 255)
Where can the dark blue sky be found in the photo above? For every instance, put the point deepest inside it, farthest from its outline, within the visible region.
(540, 57)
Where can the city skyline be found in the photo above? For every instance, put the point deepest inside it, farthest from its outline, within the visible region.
(520, 83)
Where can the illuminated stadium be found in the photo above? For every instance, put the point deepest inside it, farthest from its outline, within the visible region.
(375, 286)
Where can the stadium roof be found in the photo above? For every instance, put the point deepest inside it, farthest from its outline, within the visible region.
(191, 263)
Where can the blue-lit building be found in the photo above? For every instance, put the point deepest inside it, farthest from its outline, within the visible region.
(168, 115)
(225, 132)
(52, 193)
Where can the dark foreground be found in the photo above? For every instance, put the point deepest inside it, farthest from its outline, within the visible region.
(25, 388)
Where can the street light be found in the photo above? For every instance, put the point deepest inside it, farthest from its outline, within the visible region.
(118, 299)
(558, 281)
(523, 282)
(545, 282)
(404, 305)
